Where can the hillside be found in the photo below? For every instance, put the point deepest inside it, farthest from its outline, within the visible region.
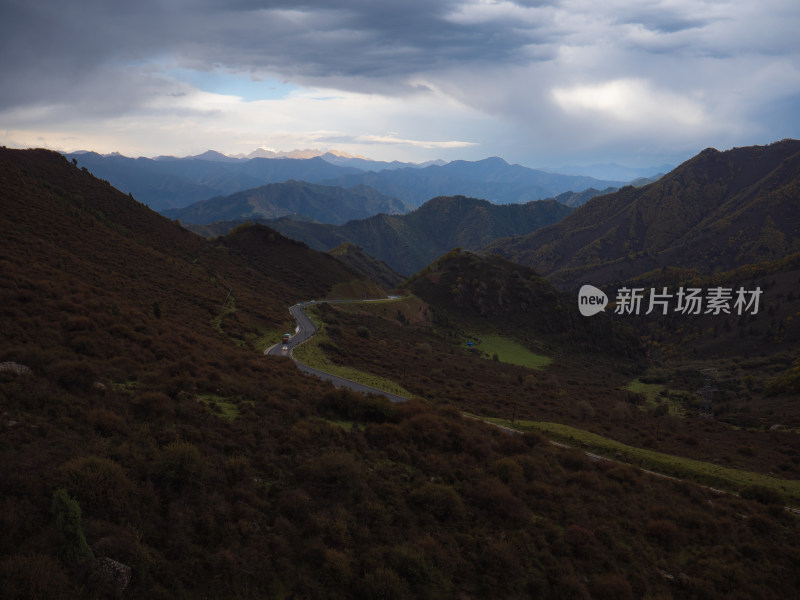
(715, 212)
(61, 221)
(371, 268)
(410, 242)
(491, 178)
(150, 450)
(324, 204)
(491, 337)
(519, 302)
(576, 199)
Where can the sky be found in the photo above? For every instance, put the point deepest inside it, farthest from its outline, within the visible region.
(543, 83)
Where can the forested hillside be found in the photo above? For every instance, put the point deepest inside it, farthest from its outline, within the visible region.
(410, 242)
(322, 203)
(715, 212)
(148, 448)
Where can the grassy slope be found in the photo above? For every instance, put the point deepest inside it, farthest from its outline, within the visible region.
(675, 466)
(509, 351)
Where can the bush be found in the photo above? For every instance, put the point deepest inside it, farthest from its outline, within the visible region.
(384, 584)
(762, 494)
(33, 577)
(74, 374)
(181, 464)
(442, 501)
(100, 484)
(611, 586)
(364, 332)
(67, 514)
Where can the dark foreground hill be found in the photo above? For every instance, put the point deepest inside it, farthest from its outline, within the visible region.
(149, 450)
(322, 203)
(715, 212)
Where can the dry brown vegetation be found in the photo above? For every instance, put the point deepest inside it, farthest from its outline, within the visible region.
(119, 441)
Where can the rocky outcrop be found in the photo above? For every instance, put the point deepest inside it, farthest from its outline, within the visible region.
(111, 574)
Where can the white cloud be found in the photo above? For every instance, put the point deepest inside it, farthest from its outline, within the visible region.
(631, 101)
(389, 139)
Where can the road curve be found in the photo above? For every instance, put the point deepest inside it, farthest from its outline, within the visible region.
(305, 330)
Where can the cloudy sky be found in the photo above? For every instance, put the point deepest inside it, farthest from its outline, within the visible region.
(542, 83)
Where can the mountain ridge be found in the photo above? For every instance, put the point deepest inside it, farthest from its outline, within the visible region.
(325, 204)
(169, 183)
(710, 213)
(409, 242)
(491, 178)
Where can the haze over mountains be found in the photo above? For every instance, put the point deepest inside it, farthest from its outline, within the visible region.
(167, 183)
(298, 199)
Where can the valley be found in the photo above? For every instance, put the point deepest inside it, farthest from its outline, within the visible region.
(701, 472)
(137, 401)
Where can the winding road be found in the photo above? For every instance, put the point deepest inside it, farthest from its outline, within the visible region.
(305, 330)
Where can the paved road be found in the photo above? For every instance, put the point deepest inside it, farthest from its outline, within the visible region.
(306, 329)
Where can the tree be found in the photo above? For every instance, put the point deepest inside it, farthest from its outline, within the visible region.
(67, 514)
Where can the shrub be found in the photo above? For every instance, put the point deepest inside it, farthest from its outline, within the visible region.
(664, 531)
(181, 464)
(74, 374)
(507, 470)
(383, 583)
(33, 577)
(762, 494)
(611, 586)
(67, 514)
(99, 484)
(442, 501)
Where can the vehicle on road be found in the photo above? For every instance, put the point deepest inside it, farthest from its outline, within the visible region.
(285, 350)
(286, 337)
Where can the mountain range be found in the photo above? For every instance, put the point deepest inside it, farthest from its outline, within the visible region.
(410, 242)
(169, 183)
(164, 184)
(715, 212)
(298, 199)
(492, 179)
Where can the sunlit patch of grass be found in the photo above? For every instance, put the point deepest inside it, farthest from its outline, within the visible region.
(347, 425)
(511, 352)
(220, 406)
(656, 393)
(125, 386)
(725, 478)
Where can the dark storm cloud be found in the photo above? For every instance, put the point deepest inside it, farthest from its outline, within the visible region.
(52, 51)
(522, 77)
